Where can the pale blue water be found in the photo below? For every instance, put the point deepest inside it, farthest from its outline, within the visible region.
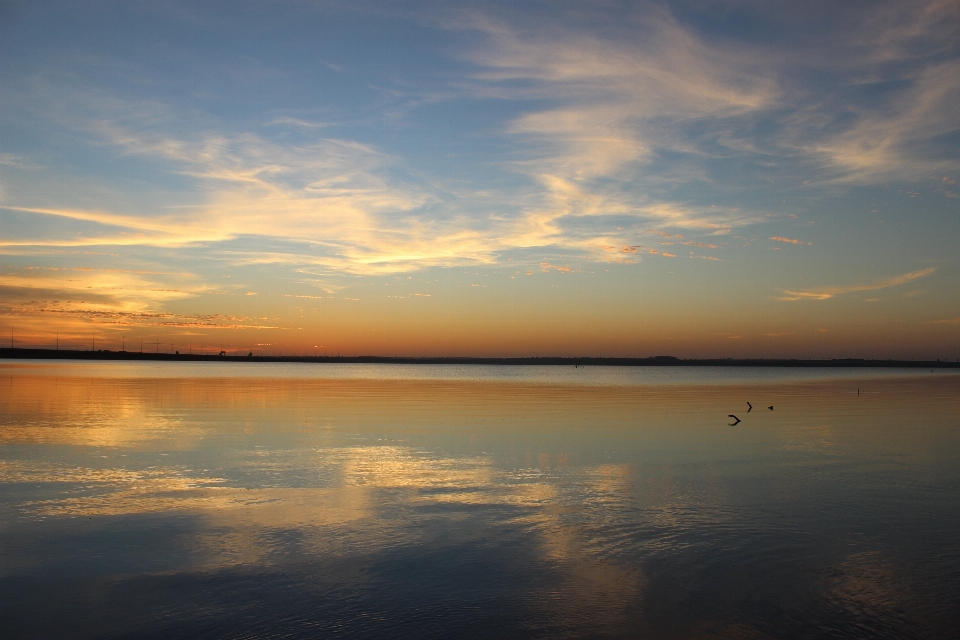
(585, 375)
(288, 500)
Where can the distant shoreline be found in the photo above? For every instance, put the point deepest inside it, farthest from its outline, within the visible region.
(655, 361)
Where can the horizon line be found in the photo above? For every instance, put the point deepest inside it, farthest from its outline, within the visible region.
(26, 353)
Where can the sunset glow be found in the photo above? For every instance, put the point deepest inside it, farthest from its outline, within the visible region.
(490, 180)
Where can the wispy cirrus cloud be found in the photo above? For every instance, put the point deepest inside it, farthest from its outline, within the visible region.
(825, 293)
(360, 213)
(789, 240)
(78, 297)
(870, 104)
(107, 288)
(616, 105)
(901, 141)
(891, 101)
(613, 125)
(343, 199)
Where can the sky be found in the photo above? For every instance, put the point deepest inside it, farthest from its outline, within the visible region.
(692, 178)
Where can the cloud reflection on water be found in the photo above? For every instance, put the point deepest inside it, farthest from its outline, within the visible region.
(594, 505)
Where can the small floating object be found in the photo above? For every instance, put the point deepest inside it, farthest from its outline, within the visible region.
(749, 405)
(770, 407)
(738, 421)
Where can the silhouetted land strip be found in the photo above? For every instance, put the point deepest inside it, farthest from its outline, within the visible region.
(656, 361)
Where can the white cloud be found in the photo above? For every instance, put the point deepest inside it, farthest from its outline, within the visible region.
(597, 110)
(339, 196)
(617, 102)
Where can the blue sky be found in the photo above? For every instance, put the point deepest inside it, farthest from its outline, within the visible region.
(698, 178)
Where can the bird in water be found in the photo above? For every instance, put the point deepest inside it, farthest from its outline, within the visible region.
(749, 405)
(770, 407)
(733, 424)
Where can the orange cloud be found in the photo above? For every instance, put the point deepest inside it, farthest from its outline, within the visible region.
(825, 293)
(789, 240)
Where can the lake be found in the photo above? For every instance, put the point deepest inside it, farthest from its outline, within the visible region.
(183, 500)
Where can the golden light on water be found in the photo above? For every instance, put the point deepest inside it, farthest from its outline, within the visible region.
(586, 481)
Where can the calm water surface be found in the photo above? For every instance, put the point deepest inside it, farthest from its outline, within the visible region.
(271, 500)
